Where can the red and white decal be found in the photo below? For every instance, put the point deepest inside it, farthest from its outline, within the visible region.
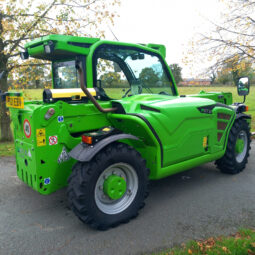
(53, 140)
(27, 128)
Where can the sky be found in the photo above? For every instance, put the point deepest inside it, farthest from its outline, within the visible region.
(170, 22)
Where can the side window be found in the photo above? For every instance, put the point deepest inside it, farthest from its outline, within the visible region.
(65, 75)
(111, 79)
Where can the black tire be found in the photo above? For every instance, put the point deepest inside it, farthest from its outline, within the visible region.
(230, 163)
(83, 181)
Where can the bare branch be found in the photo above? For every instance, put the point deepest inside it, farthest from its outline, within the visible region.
(77, 5)
(32, 26)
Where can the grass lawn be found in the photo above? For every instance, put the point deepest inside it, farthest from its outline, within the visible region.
(7, 149)
(36, 94)
(242, 243)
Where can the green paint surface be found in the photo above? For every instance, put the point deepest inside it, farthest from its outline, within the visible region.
(239, 145)
(115, 187)
(171, 128)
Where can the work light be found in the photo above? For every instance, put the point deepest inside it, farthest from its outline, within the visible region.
(49, 48)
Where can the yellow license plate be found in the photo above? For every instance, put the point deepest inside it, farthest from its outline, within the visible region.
(15, 102)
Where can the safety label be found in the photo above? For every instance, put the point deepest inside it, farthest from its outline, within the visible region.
(60, 119)
(27, 128)
(40, 137)
(47, 181)
(53, 140)
(63, 156)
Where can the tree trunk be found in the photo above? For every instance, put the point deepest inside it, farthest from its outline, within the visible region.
(6, 133)
(5, 129)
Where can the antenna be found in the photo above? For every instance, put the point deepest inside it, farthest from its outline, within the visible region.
(113, 34)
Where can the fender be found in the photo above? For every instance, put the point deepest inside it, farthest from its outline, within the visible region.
(242, 115)
(84, 152)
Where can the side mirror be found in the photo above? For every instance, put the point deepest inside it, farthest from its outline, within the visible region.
(243, 86)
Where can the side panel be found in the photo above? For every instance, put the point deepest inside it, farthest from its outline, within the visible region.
(188, 133)
(42, 160)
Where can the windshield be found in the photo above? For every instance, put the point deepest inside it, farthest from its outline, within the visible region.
(122, 72)
(65, 75)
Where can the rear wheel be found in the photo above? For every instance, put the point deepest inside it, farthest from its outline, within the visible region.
(111, 188)
(238, 147)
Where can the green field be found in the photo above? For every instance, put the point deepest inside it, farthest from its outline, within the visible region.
(250, 101)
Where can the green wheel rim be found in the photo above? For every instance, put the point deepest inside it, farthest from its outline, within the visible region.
(116, 202)
(115, 187)
(241, 146)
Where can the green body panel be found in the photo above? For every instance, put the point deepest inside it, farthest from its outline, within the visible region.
(38, 164)
(180, 127)
(221, 97)
(175, 132)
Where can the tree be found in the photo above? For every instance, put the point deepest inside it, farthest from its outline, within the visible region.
(149, 77)
(110, 79)
(231, 36)
(233, 69)
(25, 20)
(177, 72)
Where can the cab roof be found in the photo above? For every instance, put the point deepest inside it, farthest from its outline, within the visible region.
(59, 47)
(63, 45)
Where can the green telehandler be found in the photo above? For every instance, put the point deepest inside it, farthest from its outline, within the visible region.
(113, 121)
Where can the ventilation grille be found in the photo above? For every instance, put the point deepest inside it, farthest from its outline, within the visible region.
(222, 124)
(28, 178)
(224, 116)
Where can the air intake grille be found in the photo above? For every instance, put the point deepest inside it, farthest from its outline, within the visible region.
(224, 116)
(222, 124)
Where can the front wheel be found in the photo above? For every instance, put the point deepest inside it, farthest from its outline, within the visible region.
(238, 147)
(110, 189)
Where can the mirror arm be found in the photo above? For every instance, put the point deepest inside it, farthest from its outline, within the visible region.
(244, 97)
(78, 66)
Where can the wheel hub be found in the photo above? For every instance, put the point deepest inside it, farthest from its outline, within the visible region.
(239, 145)
(115, 187)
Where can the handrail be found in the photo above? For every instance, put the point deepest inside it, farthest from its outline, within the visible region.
(78, 66)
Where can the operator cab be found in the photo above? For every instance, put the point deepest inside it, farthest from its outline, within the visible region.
(112, 70)
(118, 72)
(121, 71)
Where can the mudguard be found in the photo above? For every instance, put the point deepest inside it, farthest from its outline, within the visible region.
(84, 152)
(243, 115)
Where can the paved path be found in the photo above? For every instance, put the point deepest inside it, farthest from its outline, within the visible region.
(195, 204)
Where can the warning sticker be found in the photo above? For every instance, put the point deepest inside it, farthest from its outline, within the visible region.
(27, 128)
(40, 137)
(53, 140)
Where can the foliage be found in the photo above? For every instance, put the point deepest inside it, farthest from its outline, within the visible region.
(233, 69)
(177, 72)
(21, 21)
(110, 79)
(242, 243)
(148, 77)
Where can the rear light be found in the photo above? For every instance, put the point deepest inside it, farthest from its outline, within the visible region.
(86, 139)
(246, 108)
